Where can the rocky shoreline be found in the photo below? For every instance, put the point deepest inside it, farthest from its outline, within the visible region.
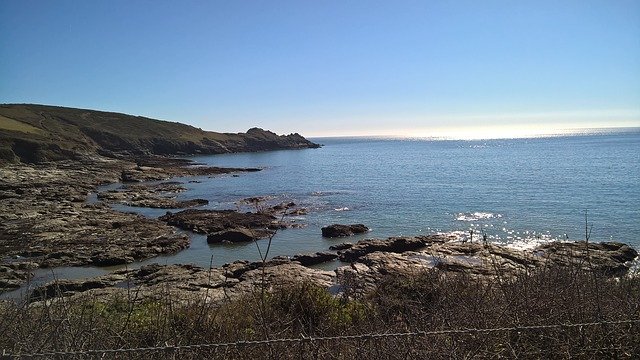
(370, 262)
(45, 222)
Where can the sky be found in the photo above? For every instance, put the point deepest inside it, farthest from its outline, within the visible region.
(324, 68)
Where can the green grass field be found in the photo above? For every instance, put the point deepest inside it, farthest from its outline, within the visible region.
(14, 125)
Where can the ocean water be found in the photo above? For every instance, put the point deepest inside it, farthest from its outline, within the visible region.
(516, 191)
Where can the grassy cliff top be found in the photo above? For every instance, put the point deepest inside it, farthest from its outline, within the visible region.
(35, 133)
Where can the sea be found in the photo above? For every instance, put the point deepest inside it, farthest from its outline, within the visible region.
(518, 192)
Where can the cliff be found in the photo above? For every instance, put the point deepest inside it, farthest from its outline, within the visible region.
(38, 133)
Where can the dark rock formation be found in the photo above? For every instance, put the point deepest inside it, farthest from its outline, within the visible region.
(314, 258)
(237, 235)
(338, 230)
(394, 244)
(213, 221)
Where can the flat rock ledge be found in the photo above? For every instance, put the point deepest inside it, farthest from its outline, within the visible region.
(188, 282)
(371, 260)
(160, 196)
(339, 230)
(228, 226)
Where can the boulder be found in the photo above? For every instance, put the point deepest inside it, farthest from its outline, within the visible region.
(338, 230)
(314, 258)
(236, 235)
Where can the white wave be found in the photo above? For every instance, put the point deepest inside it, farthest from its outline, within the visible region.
(342, 209)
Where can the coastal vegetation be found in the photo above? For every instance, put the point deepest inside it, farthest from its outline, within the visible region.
(529, 316)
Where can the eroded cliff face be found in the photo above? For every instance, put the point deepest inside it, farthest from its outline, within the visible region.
(39, 133)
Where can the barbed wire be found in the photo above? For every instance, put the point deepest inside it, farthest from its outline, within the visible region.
(301, 339)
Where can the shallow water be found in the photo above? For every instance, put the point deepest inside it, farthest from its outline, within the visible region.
(516, 191)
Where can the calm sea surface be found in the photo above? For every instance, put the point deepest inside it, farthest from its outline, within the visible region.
(517, 191)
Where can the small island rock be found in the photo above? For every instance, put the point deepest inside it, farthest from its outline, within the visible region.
(338, 230)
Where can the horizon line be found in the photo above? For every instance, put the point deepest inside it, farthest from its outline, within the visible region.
(474, 135)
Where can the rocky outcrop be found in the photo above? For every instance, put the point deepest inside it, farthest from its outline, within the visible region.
(372, 260)
(237, 235)
(311, 259)
(264, 204)
(215, 221)
(338, 230)
(394, 244)
(611, 258)
(187, 282)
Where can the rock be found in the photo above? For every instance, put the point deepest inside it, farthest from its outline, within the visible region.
(188, 282)
(213, 221)
(13, 275)
(111, 260)
(338, 230)
(237, 235)
(260, 204)
(381, 258)
(394, 244)
(611, 258)
(314, 258)
(342, 246)
(63, 287)
(160, 196)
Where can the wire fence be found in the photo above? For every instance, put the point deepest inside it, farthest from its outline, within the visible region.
(629, 350)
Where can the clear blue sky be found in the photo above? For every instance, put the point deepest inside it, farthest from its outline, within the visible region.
(329, 67)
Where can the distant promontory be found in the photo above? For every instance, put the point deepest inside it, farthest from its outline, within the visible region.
(39, 133)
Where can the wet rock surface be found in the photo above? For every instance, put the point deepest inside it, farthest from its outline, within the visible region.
(338, 230)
